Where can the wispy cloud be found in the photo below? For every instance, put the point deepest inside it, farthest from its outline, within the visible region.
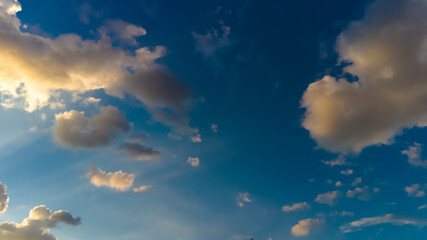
(388, 218)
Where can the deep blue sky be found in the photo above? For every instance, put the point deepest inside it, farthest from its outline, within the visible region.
(251, 86)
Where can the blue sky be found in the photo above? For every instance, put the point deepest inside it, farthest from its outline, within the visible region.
(235, 120)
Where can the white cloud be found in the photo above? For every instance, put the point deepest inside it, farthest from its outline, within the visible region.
(196, 138)
(73, 129)
(243, 198)
(304, 227)
(387, 49)
(139, 152)
(4, 199)
(414, 155)
(142, 189)
(194, 162)
(119, 181)
(37, 225)
(388, 218)
(329, 198)
(295, 207)
(35, 68)
(415, 191)
(338, 184)
(347, 172)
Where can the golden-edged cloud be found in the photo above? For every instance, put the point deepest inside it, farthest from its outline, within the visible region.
(33, 68)
(119, 180)
(388, 54)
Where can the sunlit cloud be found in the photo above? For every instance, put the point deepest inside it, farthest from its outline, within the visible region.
(388, 218)
(329, 198)
(193, 161)
(243, 198)
(119, 181)
(387, 52)
(4, 199)
(295, 207)
(304, 227)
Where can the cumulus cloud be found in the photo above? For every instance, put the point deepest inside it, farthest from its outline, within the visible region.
(73, 129)
(415, 191)
(37, 225)
(4, 199)
(139, 152)
(388, 218)
(209, 43)
(194, 162)
(35, 68)
(295, 207)
(304, 227)
(119, 181)
(387, 52)
(338, 184)
(243, 198)
(329, 198)
(414, 155)
(142, 189)
(363, 194)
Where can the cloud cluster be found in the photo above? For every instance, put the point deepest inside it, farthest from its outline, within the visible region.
(387, 50)
(296, 207)
(73, 129)
(415, 191)
(304, 227)
(194, 162)
(329, 198)
(339, 161)
(388, 218)
(34, 68)
(4, 199)
(119, 181)
(414, 155)
(37, 225)
(243, 198)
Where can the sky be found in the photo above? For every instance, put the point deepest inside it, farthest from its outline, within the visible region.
(233, 120)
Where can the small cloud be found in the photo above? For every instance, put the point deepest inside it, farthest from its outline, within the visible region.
(304, 227)
(212, 41)
(139, 152)
(33, 129)
(295, 207)
(91, 100)
(340, 161)
(341, 214)
(243, 198)
(388, 218)
(73, 129)
(4, 199)
(196, 138)
(415, 191)
(194, 162)
(119, 181)
(363, 194)
(329, 198)
(338, 184)
(347, 172)
(422, 207)
(356, 181)
(414, 155)
(214, 127)
(123, 31)
(138, 137)
(141, 189)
